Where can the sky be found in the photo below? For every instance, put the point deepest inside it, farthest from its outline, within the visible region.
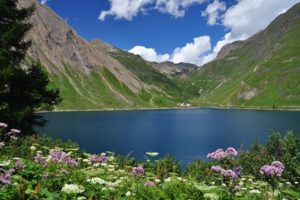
(191, 31)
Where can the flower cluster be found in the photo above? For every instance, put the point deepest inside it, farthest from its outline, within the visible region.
(72, 189)
(234, 173)
(59, 156)
(40, 160)
(56, 156)
(99, 159)
(13, 133)
(5, 176)
(275, 169)
(149, 184)
(138, 171)
(220, 153)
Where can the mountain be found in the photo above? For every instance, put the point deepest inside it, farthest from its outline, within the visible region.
(93, 74)
(262, 71)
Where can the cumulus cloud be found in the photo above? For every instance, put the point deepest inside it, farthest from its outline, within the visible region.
(213, 11)
(175, 7)
(192, 52)
(149, 54)
(241, 20)
(127, 9)
(249, 16)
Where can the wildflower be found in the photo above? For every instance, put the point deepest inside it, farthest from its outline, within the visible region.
(254, 191)
(218, 154)
(138, 171)
(149, 184)
(128, 194)
(211, 196)
(5, 163)
(58, 156)
(96, 180)
(81, 198)
(3, 125)
(157, 180)
(15, 131)
(275, 169)
(152, 154)
(99, 159)
(232, 151)
(72, 189)
(40, 160)
(168, 180)
(19, 165)
(33, 148)
(238, 170)
(2, 144)
(216, 168)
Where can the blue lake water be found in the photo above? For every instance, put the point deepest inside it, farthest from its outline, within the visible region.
(185, 134)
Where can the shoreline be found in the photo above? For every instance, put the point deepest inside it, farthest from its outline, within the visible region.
(283, 108)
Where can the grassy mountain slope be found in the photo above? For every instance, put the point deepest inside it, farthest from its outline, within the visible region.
(95, 75)
(261, 71)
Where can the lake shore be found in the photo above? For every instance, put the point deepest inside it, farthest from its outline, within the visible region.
(254, 108)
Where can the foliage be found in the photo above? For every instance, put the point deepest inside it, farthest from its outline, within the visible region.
(67, 173)
(23, 89)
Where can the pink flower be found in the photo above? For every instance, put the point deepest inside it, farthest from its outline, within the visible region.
(275, 169)
(3, 125)
(149, 184)
(138, 171)
(15, 131)
(2, 144)
(232, 151)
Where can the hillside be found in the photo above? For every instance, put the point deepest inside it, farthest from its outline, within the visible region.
(263, 71)
(95, 75)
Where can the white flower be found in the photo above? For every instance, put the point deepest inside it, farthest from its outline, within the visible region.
(152, 154)
(96, 180)
(157, 180)
(5, 163)
(168, 180)
(213, 183)
(104, 164)
(211, 196)
(296, 182)
(223, 184)
(86, 160)
(81, 198)
(254, 192)
(72, 189)
(128, 194)
(111, 158)
(32, 148)
(179, 178)
(288, 183)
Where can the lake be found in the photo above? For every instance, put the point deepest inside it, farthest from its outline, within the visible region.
(185, 134)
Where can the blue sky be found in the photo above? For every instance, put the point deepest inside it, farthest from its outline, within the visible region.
(169, 30)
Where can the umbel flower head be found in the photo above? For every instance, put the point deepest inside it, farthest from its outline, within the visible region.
(275, 169)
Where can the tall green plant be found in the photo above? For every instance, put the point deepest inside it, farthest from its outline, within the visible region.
(23, 89)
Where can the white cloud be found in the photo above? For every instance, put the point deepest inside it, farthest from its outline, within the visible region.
(44, 1)
(175, 7)
(249, 16)
(127, 9)
(213, 11)
(149, 54)
(241, 20)
(192, 52)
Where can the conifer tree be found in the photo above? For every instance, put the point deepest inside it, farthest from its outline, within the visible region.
(24, 89)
